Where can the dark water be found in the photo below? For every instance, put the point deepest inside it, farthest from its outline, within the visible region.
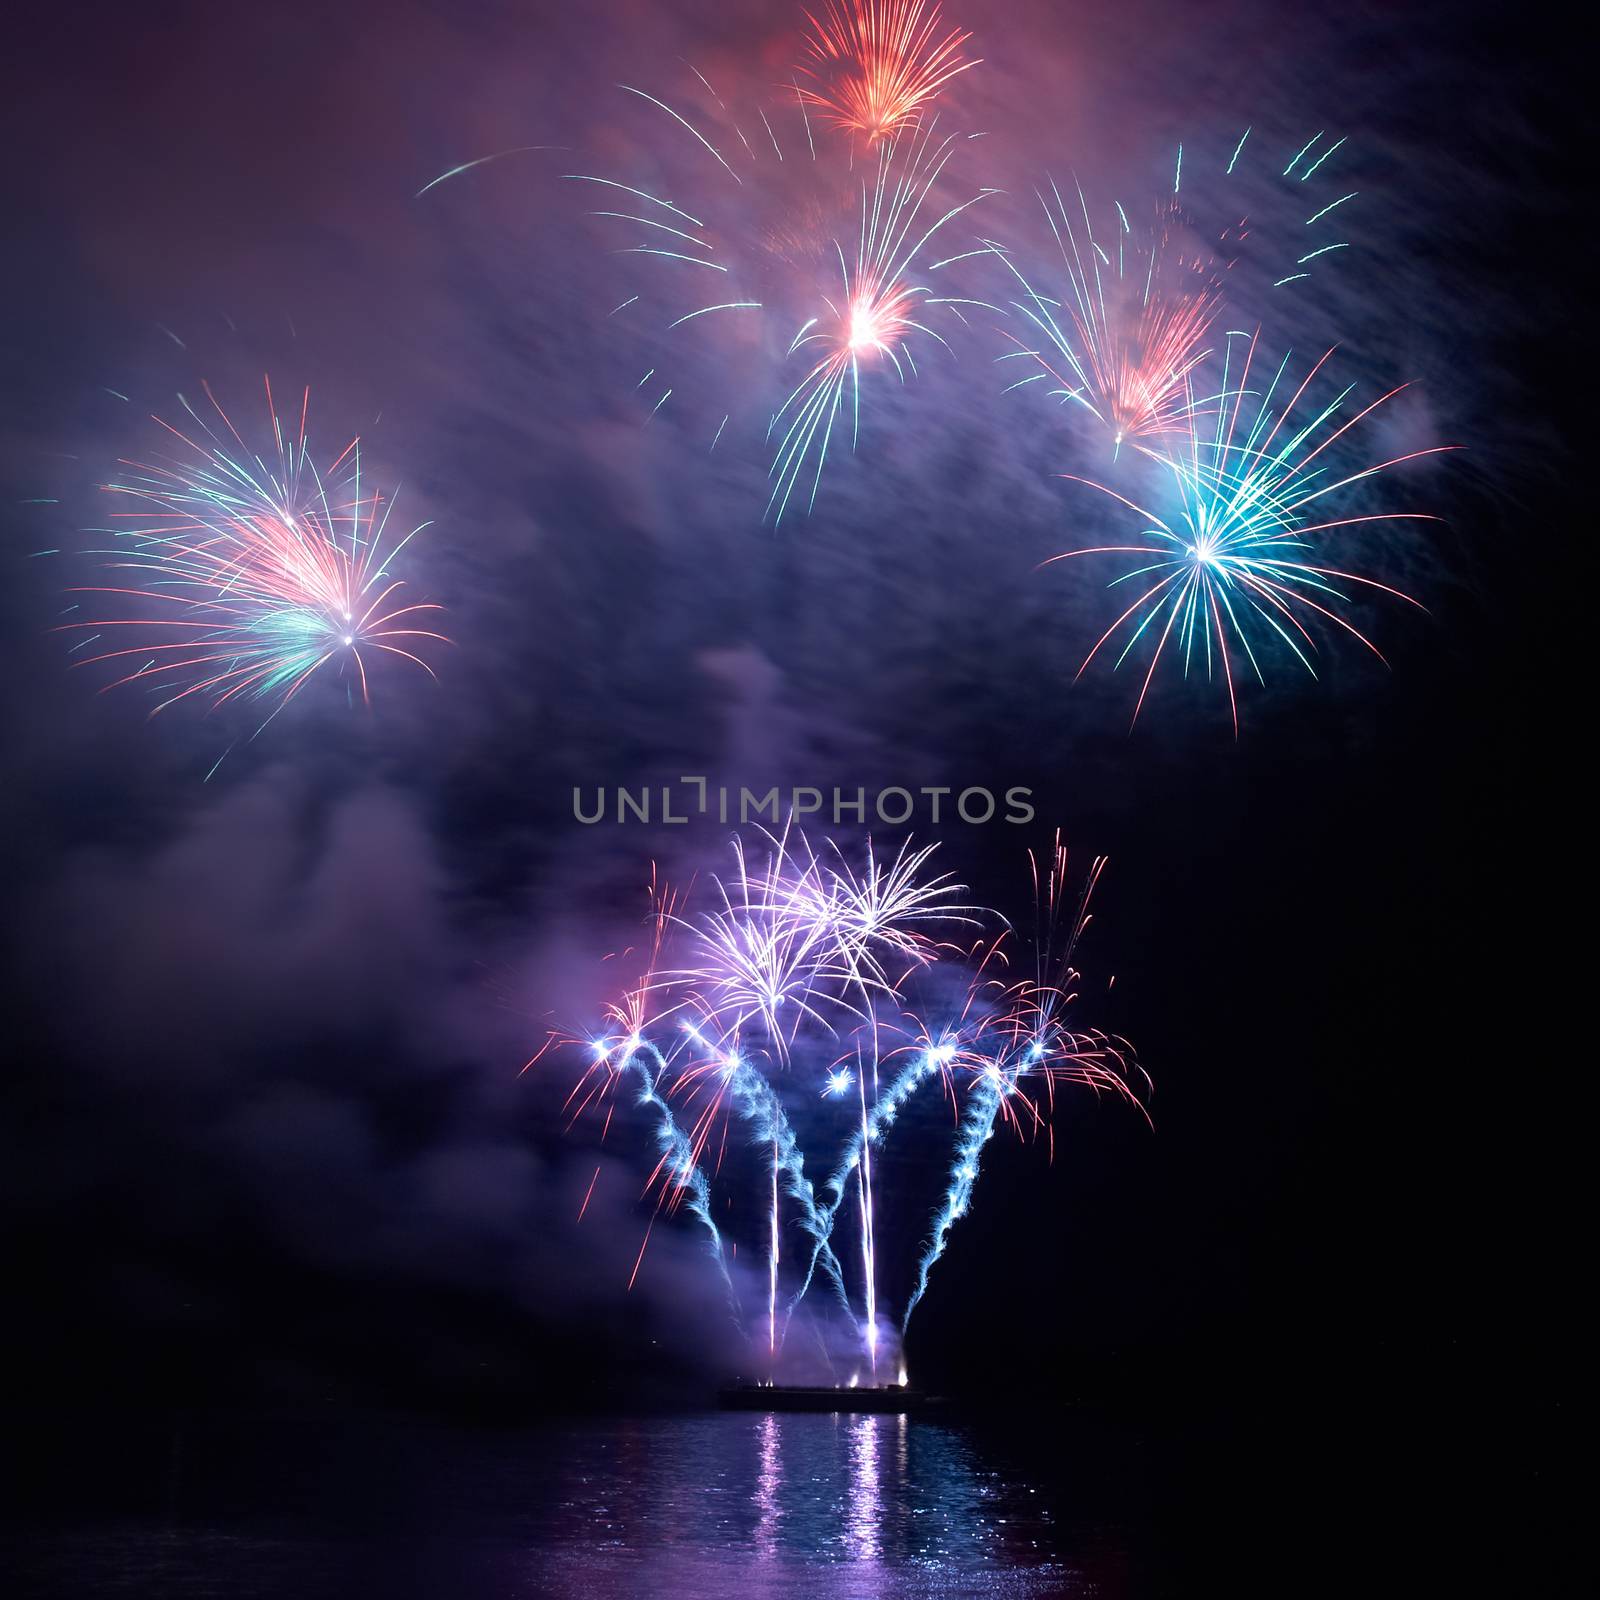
(689, 1506)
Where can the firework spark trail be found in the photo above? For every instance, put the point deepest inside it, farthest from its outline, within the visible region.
(751, 1097)
(802, 933)
(759, 1105)
(793, 930)
(925, 1062)
(262, 572)
(678, 1176)
(720, 1083)
(868, 1256)
(772, 1263)
(975, 1129)
(857, 1158)
(1135, 325)
(850, 914)
(878, 63)
(480, 161)
(881, 905)
(1230, 554)
(998, 1092)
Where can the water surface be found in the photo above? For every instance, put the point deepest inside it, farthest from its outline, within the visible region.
(714, 1505)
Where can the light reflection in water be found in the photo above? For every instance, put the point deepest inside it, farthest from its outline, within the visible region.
(865, 1491)
(880, 1493)
(703, 1507)
(769, 1484)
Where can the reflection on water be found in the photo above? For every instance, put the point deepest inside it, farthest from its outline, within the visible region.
(879, 1493)
(769, 1481)
(865, 1496)
(722, 1505)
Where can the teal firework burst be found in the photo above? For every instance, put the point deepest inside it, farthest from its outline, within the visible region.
(1234, 568)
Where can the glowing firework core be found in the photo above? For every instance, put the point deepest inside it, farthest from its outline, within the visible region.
(864, 329)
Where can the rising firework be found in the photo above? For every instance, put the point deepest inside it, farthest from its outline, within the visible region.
(877, 64)
(253, 572)
(804, 964)
(1231, 556)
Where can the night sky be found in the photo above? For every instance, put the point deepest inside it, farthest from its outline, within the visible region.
(266, 1134)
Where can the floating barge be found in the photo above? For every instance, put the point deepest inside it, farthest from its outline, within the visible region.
(831, 1397)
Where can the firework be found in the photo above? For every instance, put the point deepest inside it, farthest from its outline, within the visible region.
(253, 574)
(878, 63)
(784, 254)
(1131, 328)
(1228, 566)
(802, 964)
(877, 310)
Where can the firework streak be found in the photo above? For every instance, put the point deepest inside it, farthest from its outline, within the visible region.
(806, 964)
(252, 574)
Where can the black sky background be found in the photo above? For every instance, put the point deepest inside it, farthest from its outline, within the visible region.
(265, 1133)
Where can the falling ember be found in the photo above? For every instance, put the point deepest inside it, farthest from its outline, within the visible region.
(877, 63)
(588, 1194)
(638, 1260)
